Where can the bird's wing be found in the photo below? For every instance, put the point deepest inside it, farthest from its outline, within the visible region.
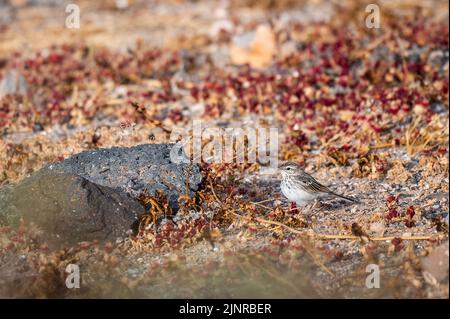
(311, 184)
(314, 186)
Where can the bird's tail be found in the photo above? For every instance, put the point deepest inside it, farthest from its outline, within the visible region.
(345, 197)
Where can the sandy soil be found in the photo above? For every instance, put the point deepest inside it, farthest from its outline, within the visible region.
(364, 111)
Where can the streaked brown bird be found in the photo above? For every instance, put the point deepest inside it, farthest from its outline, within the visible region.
(300, 187)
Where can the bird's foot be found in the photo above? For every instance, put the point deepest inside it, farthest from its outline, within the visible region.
(318, 205)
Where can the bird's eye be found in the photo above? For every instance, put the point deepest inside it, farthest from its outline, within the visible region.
(288, 168)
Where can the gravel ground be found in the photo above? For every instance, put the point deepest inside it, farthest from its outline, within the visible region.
(364, 111)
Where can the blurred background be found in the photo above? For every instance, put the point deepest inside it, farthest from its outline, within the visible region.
(360, 106)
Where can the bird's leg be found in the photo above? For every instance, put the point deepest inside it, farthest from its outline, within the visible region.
(316, 201)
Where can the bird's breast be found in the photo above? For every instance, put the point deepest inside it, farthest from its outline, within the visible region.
(296, 195)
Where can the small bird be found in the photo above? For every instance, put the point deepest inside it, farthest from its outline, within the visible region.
(300, 187)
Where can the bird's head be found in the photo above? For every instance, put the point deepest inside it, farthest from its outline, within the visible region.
(290, 169)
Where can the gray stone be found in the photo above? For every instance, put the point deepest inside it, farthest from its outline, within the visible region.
(93, 195)
(7, 12)
(69, 208)
(13, 83)
(438, 107)
(439, 59)
(141, 169)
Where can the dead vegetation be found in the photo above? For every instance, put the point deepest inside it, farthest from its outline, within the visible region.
(365, 111)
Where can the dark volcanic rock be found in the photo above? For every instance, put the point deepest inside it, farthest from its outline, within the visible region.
(135, 170)
(69, 208)
(92, 195)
